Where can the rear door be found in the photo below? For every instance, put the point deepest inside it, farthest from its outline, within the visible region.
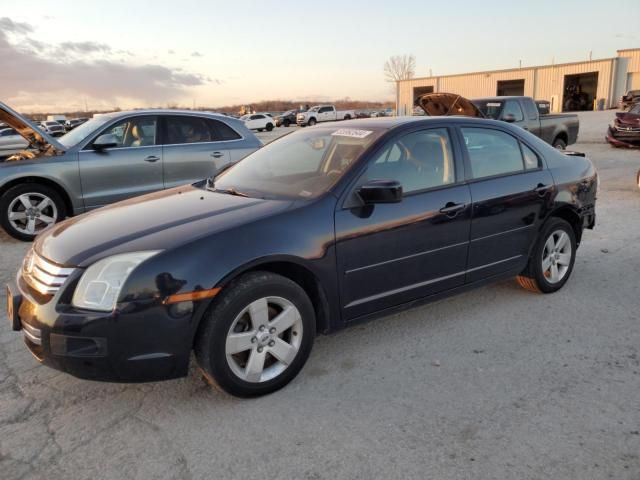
(132, 168)
(192, 150)
(511, 191)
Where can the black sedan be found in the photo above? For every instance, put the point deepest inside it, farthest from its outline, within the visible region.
(287, 119)
(316, 231)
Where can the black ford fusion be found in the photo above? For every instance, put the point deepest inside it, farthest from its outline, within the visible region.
(321, 229)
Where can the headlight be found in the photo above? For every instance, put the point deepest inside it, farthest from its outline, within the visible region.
(100, 285)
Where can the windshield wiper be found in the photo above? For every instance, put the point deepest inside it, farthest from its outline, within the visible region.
(210, 185)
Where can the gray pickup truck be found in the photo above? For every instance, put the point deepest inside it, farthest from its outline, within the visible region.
(111, 157)
(557, 129)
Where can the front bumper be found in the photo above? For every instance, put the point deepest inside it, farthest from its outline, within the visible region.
(138, 342)
(623, 138)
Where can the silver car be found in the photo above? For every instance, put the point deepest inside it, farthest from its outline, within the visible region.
(11, 142)
(110, 158)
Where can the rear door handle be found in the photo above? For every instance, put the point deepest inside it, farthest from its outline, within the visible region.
(152, 159)
(542, 189)
(217, 154)
(452, 209)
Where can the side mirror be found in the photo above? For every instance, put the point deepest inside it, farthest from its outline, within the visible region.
(105, 141)
(509, 118)
(381, 191)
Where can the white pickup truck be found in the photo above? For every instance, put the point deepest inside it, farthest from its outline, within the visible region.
(323, 113)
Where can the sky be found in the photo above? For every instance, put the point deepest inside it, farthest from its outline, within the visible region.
(65, 55)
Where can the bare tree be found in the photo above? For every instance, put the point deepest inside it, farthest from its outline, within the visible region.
(400, 67)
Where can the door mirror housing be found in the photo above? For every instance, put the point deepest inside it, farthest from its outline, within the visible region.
(509, 118)
(380, 191)
(107, 140)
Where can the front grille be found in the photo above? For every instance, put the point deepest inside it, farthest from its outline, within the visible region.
(42, 275)
(34, 335)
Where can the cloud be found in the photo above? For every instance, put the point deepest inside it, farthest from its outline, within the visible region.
(197, 54)
(36, 73)
(171, 52)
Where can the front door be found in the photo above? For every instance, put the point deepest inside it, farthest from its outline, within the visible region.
(131, 168)
(389, 254)
(192, 150)
(511, 190)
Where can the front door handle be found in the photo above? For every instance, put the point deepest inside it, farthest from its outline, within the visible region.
(217, 154)
(542, 189)
(152, 159)
(452, 209)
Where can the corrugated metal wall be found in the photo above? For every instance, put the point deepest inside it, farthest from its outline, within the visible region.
(542, 83)
(634, 59)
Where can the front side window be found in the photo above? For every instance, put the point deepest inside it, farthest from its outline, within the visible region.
(418, 160)
(512, 108)
(302, 165)
(492, 152)
(182, 130)
(134, 132)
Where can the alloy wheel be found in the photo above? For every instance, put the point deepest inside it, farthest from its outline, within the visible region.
(32, 212)
(264, 339)
(556, 256)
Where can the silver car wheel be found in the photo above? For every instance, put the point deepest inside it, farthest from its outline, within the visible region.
(30, 213)
(264, 339)
(556, 256)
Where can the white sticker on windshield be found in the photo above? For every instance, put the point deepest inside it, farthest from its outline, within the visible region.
(493, 104)
(351, 132)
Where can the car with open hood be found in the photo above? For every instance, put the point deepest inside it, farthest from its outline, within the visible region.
(316, 231)
(110, 158)
(624, 131)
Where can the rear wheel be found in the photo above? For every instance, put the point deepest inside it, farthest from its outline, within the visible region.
(257, 335)
(560, 144)
(29, 208)
(552, 259)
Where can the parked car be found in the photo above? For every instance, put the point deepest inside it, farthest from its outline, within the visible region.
(323, 113)
(11, 142)
(73, 123)
(258, 121)
(318, 230)
(287, 119)
(625, 129)
(53, 128)
(559, 130)
(630, 98)
(110, 158)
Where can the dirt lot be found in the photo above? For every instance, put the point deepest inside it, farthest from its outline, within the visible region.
(495, 383)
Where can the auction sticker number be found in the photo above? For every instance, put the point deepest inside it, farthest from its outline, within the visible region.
(351, 132)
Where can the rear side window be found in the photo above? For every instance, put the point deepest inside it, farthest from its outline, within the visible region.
(531, 109)
(531, 160)
(492, 152)
(512, 107)
(221, 131)
(325, 109)
(182, 130)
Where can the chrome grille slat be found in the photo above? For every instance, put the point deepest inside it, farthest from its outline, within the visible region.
(33, 334)
(42, 275)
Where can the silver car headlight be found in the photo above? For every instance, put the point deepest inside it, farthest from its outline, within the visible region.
(100, 285)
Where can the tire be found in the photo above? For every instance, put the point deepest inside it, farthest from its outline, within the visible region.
(287, 123)
(260, 129)
(311, 122)
(638, 179)
(269, 127)
(42, 215)
(559, 144)
(347, 117)
(236, 311)
(538, 277)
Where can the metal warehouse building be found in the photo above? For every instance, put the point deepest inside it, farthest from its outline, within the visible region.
(568, 86)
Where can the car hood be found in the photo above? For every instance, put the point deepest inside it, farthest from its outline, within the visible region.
(32, 134)
(443, 104)
(157, 221)
(628, 119)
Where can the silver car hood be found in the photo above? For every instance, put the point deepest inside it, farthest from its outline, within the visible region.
(32, 134)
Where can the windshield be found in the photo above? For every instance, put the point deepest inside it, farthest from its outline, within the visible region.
(314, 109)
(302, 165)
(82, 131)
(490, 109)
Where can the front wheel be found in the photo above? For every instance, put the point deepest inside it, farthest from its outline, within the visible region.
(552, 258)
(269, 127)
(311, 122)
(29, 208)
(287, 123)
(257, 335)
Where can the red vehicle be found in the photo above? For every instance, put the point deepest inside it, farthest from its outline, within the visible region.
(625, 129)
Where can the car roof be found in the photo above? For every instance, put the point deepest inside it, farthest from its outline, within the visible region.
(393, 122)
(163, 111)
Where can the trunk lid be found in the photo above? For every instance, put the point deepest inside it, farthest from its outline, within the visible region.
(444, 104)
(37, 138)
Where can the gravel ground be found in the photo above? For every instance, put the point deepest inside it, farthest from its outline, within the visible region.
(496, 383)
